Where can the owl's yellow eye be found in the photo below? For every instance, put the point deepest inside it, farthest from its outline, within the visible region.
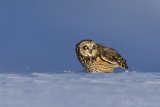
(85, 47)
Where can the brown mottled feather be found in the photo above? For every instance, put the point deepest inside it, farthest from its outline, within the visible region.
(112, 56)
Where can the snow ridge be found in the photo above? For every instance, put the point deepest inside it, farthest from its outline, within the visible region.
(80, 89)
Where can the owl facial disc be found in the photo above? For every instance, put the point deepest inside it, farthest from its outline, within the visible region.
(88, 49)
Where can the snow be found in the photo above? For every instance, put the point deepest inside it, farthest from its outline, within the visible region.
(79, 89)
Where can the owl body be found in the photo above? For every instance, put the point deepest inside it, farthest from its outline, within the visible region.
(97, 58)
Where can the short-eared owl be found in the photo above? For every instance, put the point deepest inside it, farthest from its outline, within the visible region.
(97, 58)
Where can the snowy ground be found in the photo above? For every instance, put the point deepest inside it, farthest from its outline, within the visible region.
(72, 89)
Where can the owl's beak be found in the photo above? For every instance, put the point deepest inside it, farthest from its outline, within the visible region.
(90, 51)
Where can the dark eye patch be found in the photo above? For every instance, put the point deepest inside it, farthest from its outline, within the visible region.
(94, 47)
(85, 47)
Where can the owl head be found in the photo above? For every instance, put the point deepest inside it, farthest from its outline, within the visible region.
(87, 48)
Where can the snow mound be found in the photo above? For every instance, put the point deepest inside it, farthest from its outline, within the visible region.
(76, 89)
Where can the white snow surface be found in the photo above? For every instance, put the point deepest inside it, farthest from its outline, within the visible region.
(75, 89)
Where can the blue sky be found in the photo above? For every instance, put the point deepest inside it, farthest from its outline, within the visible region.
(40, 35)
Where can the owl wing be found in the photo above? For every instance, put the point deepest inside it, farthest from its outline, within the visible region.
(112, 56)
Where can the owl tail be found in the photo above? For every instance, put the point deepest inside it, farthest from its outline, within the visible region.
(123, 64)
